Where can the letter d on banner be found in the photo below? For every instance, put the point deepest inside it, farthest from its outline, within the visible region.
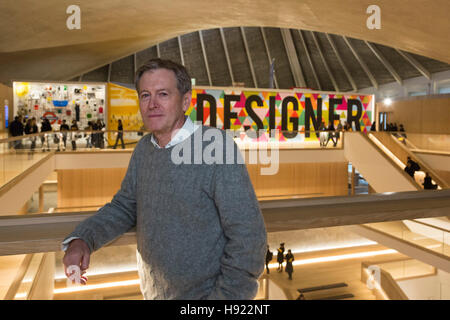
(374, 278)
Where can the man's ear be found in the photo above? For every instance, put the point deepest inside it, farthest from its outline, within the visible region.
(187, 100)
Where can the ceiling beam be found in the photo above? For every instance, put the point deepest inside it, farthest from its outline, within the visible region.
(415, 64)
(205, 58)
(341, 62)
(109, 72)
(308, 56)
(180, 47)
(362, 63)
(330, 74)
(294, 62)
(269, 57)
(227, 56)
(384, 61)
(249, 58)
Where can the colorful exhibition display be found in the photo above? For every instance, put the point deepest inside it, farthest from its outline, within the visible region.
(288, 111)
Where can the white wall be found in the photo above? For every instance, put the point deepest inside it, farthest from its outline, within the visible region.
(395, 90)
(428, 288)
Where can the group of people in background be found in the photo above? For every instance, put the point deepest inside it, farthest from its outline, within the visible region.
(19, 127)
(281, 257)
(331, 133)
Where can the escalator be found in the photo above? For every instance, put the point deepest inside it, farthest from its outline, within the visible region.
(379, 169)
(401, 148)
(381, 159)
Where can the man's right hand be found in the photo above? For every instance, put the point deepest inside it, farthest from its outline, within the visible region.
(78, 254)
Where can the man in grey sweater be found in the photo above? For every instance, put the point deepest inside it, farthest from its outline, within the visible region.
(200, 232)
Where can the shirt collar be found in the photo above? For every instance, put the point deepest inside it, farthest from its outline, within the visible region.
(185, 131)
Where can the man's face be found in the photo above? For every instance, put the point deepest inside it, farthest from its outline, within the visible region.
(161, 103)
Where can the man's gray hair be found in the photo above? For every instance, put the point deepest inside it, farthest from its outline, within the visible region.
(184, 84)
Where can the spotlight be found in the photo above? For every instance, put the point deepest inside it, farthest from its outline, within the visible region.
(387, 101)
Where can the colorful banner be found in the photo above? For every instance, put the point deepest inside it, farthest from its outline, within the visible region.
(240, 110)
(123, 103)
(288, 111)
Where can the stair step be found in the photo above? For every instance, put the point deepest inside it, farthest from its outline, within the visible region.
(338, 297)
(324, 287)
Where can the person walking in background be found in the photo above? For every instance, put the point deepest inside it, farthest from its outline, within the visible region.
(119, 135)
(280, 257)
(331, 130)
(269, 256)
(322, 134)
(289, 260)
(73, 135)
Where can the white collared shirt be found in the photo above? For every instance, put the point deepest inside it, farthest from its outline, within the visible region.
(183, 133)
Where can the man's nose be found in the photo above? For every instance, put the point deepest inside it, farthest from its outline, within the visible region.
(151, 103)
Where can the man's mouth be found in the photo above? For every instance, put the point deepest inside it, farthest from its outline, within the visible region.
(154, 115)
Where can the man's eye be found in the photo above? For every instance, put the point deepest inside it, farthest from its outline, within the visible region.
(145, 95)
(163, 94)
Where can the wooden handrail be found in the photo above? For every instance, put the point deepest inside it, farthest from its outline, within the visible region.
(44, 232)
(387, 284)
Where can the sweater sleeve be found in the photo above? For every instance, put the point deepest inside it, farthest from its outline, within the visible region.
(243, 258)
(114, 218)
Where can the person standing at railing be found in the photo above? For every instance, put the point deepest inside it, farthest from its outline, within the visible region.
(322, 134)
(339, 129)
(63, 128)
(16, 130)
(32, 128)
(100, 135)
(119, 134)
(73, 135)
(199, 229)
(45, 139)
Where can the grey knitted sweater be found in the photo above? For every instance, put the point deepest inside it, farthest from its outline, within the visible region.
(200, 232)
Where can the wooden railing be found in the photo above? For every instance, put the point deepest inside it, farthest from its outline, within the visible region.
(384, 286)
(44, 232)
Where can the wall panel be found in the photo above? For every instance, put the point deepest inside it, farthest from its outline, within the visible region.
(88, 187)
(92, 187)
